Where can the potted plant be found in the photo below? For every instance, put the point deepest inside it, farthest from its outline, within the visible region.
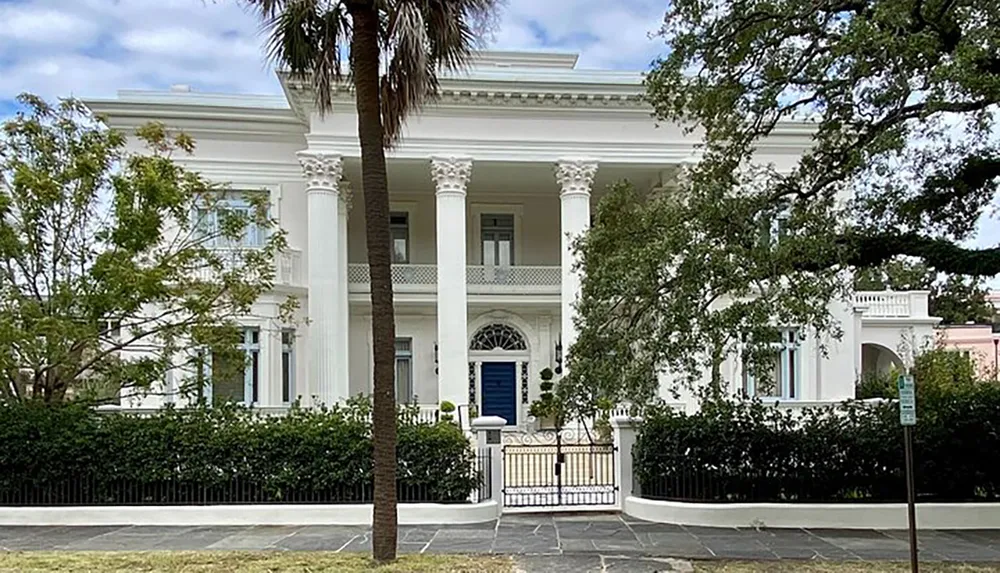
(546, 409)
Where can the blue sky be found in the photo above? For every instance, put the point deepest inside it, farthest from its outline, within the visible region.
(94, 47)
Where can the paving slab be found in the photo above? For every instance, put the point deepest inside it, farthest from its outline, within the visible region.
(578, 543)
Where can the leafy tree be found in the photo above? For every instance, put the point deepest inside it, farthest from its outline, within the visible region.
(956, 299)
(901, 95)
(107, 280)
(414, 38)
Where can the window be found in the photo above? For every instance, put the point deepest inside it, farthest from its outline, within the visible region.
(287, 365)
(404, 370)
(780, 377)
(399, 230)
(498, 240)
(235, 382)
(209, 219)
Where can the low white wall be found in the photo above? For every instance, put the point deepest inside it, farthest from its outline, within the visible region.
(816, 515)
(192, 515)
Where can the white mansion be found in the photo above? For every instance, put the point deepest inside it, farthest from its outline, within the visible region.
(485, 188)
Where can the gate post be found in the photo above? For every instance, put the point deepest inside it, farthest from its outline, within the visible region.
(624, 428)
(488, 439)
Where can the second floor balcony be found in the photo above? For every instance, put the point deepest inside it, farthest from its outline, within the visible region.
(481, 279)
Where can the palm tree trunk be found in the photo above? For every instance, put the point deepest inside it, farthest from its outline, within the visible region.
(365, 62)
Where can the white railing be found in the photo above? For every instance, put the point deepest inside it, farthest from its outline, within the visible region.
(481, 277)
(288, 267)
(891, 304)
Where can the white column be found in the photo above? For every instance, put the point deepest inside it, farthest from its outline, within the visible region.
(322, 172)
(451, 175)
(575, 177)
(343, 308)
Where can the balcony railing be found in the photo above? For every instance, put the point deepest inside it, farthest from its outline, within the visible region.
(288, 267)
(481, 279)
(893, 304)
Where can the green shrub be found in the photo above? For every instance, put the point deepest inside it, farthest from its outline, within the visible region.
(938, 370)
(224, 454)
(734, 452)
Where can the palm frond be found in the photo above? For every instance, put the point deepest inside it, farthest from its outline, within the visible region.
(306, 38)
(421, 37)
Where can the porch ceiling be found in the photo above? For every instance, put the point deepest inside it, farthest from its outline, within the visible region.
(504, 177)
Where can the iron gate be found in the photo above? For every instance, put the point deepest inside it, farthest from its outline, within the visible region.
(545, 475)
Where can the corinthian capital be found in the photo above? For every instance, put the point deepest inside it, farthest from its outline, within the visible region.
(321, 170)
(451, 174)
(576, 176)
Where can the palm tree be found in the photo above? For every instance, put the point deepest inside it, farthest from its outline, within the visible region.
(414, 39)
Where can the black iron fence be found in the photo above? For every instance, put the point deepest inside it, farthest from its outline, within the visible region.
(97, 490)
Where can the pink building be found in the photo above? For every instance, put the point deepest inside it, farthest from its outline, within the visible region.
(979, 340)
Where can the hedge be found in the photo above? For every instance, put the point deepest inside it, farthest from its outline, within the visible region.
(70, 454)
(746, 452)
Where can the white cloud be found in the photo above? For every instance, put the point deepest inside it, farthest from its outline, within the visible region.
(95, 47)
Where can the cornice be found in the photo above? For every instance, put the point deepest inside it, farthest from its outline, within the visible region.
(198, 118)
(663, 153)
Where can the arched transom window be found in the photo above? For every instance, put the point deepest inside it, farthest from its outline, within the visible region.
(498, 337)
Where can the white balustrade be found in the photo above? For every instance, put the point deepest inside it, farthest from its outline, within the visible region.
(884, 304)
(288, 266)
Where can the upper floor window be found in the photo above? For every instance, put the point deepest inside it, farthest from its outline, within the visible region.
(399, 230)
(780, 377)
(209, 221)
(498, 240)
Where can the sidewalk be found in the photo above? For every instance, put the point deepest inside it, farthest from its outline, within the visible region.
(587, 537)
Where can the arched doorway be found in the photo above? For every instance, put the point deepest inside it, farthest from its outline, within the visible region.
(498, 354)
(878, 360)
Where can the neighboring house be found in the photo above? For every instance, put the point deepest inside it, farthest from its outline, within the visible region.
(484, 188)
(980, 341)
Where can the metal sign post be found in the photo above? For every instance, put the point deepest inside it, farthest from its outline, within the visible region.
(908, 419)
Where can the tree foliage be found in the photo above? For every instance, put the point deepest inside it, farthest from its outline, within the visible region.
(956, 299)
(108, 275)
(898, 101)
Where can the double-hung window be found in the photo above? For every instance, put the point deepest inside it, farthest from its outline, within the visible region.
(209, 221)
(780, 377)
(498, 240)
(399, 230)
(404, 370)
(238, 382)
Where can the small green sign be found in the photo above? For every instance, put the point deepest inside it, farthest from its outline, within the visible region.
(907, 400)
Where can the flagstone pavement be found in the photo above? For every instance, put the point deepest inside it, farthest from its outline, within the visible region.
(578, 543)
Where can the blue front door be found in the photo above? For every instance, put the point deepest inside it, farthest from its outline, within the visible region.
(499, 390)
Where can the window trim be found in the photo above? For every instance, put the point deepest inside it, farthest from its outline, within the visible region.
(409, 243)
(789, 384)
(513, 237)
(475, 236)
(232, 199)
(288, 350)
(408, 356)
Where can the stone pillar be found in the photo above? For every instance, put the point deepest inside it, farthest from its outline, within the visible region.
(623, 428)
(575, 177)
(343, 307)
(451, 175)
(489, 444)
(322, 172)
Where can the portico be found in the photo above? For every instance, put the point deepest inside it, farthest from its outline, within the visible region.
(449, 286)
